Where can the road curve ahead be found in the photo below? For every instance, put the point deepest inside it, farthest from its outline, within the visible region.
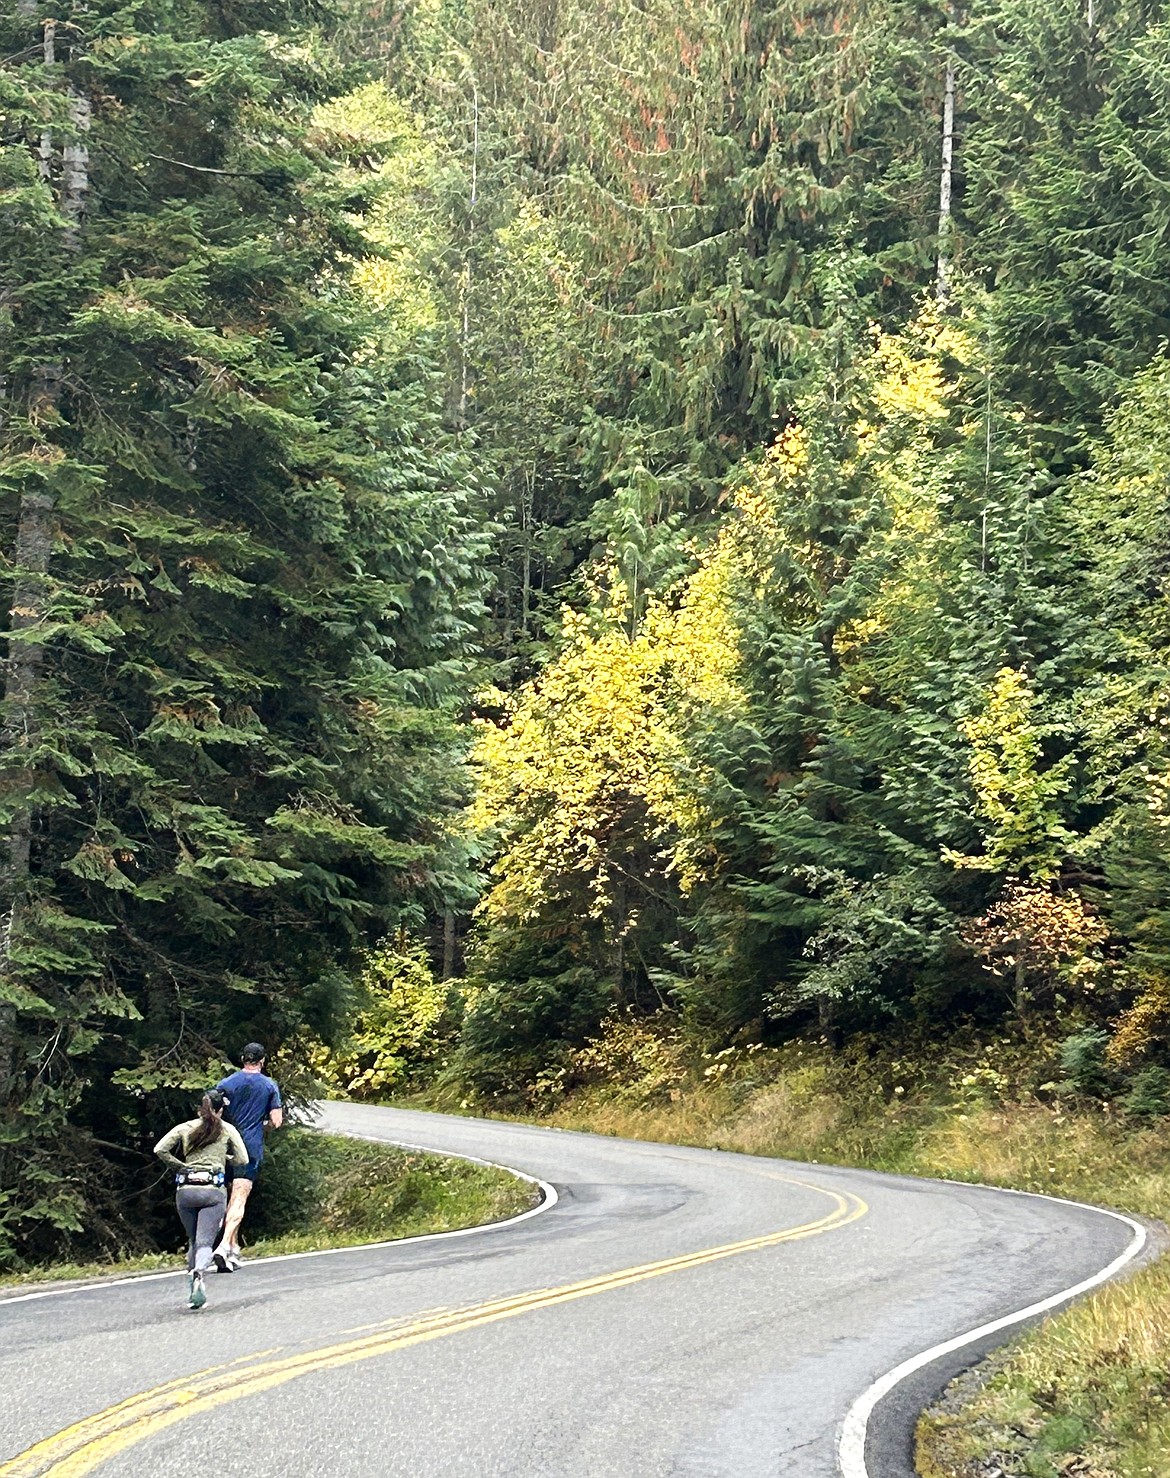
(676, 1312)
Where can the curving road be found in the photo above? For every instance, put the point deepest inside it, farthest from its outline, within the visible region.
(676, 1312)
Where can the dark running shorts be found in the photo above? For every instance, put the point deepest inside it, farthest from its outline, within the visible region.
(252, 1168)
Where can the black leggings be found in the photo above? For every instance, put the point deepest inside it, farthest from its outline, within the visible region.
(200, 1209)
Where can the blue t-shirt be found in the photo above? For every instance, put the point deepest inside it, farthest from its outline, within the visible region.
(252, 1096)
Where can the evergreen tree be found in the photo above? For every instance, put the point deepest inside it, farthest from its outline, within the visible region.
(672, 195)
(1063, 150)
(244, 572)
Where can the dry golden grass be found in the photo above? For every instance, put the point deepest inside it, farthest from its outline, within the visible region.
(1085, 1396)
(1087, 1155)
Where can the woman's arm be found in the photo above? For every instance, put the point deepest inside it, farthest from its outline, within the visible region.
(237, 1150)
(165, 1148)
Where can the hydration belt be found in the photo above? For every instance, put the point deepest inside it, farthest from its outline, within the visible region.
(199, 1177)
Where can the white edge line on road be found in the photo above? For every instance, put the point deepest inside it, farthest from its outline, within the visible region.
(549, 1193)
(851, 1449)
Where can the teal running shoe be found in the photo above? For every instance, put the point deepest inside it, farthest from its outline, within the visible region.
(198, 1296)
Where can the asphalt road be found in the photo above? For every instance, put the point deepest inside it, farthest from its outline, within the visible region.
(677, 1312)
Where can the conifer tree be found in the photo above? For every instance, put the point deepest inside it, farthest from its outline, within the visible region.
(238, 629)
(1065, 145)
(702, 175)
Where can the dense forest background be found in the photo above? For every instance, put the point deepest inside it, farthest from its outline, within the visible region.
(524, 515)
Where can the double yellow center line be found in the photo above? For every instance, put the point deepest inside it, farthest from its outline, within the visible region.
(80, 1448)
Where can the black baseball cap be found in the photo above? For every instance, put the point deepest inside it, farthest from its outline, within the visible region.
(253, 1052)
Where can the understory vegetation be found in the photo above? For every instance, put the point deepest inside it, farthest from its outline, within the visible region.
(967, 1108)
(529, 521)
(320, 1190)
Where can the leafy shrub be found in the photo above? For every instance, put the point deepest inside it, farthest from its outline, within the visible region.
(1146, 1022)
(638, 1059)
(519, 1030)
(1033, 935)
(985, 1083)
(398, 1031)
(293, 1183)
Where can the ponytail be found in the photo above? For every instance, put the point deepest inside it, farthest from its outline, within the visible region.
(211, 1108)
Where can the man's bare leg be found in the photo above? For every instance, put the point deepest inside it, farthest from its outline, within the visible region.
(229, 1244)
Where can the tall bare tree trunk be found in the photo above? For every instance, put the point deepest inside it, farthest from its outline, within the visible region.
(75, 170)
(465, 283)
(48, 47)
(448, 944)
(527, 502)
(20, 732)
(943, 279)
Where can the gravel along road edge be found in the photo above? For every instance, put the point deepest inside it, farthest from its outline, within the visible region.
(855, 1449)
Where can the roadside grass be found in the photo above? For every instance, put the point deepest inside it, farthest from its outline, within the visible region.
(816, 1115)
(322, 1190)
(1085, 1395)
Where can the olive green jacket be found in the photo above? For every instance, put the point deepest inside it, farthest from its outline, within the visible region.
(213, 1156)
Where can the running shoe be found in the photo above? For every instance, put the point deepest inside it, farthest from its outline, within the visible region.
(222, 1261)
(233, 1261)
(198, 1293)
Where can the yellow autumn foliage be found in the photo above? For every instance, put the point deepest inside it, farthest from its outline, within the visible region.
(911, 382)
(602, 730)
(1016, 791)
(397, 281)
(606, 727)
(1145, 1023)
(603, 742)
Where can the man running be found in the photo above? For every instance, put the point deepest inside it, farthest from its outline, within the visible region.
(255, 1104)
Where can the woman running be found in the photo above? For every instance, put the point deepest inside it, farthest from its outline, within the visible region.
(204, 1146)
